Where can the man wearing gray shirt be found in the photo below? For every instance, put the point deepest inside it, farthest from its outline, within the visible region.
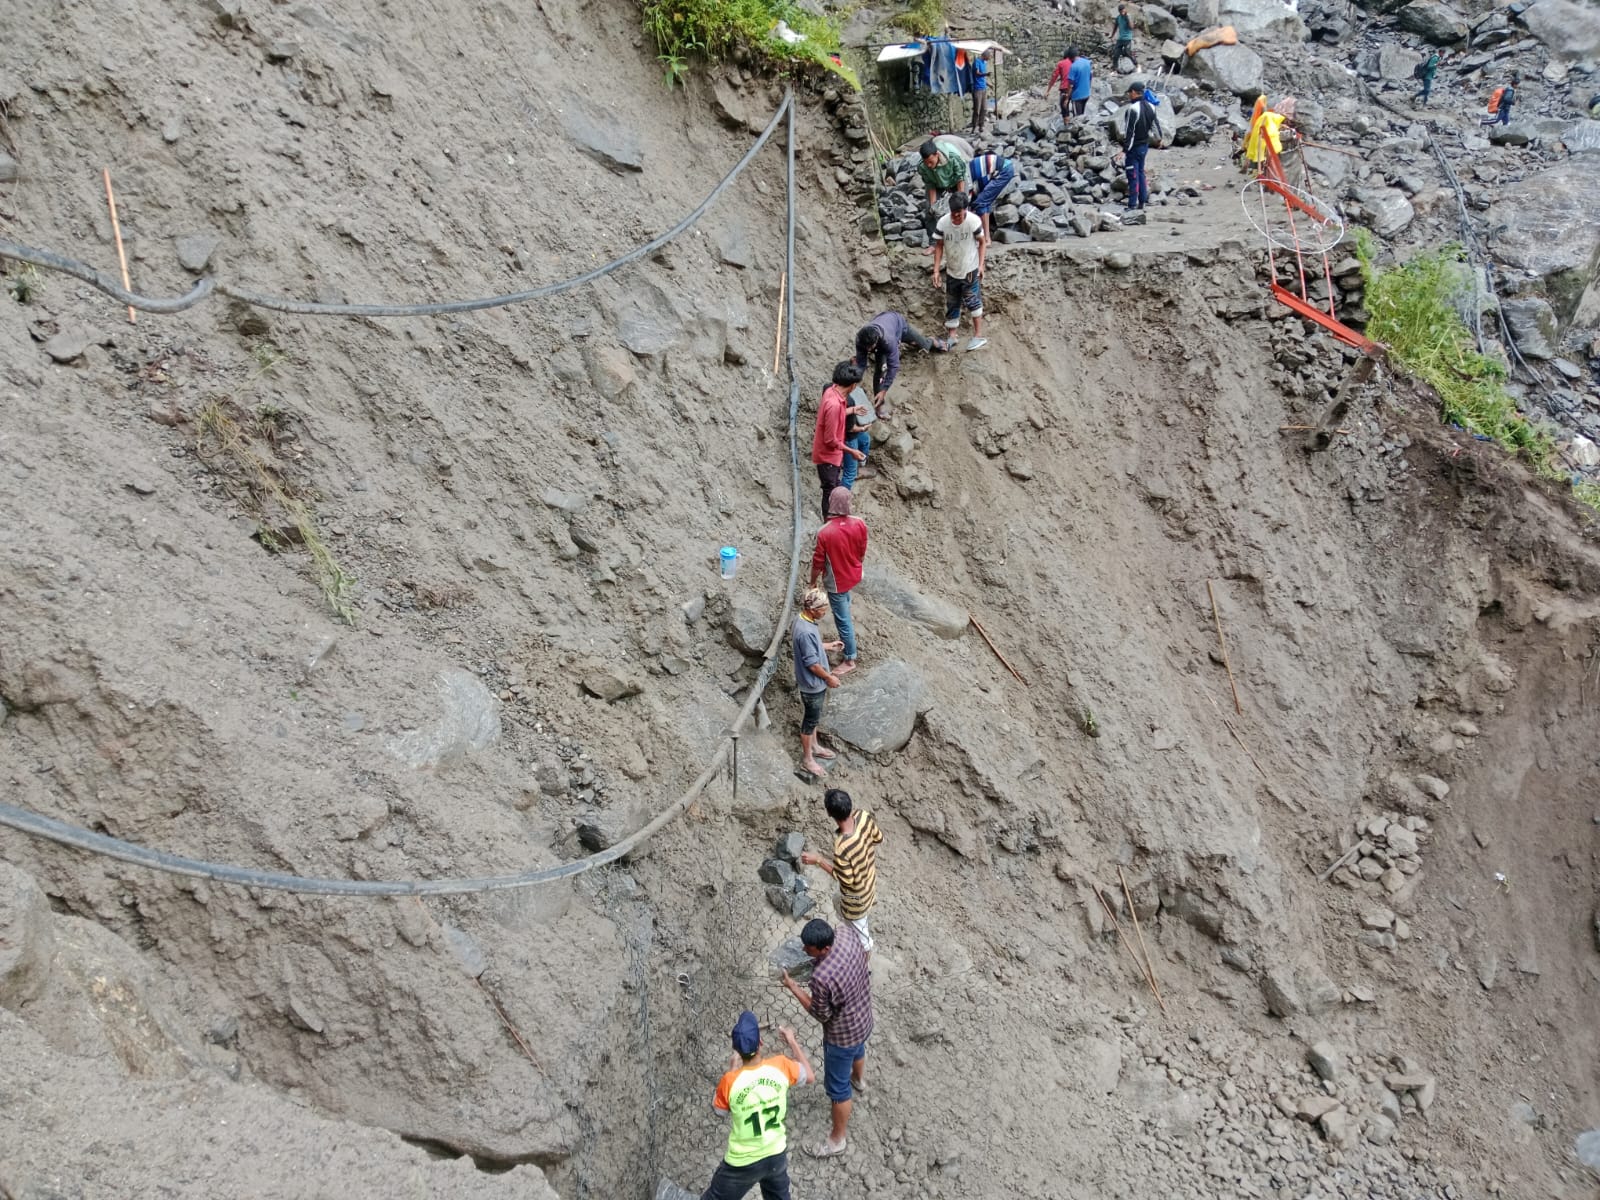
(812, 676)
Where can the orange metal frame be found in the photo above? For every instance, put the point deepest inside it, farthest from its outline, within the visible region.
(1272, 179)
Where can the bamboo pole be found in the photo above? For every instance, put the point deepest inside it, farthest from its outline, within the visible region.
(996, 649)
(777, 336)
(1227, 666)
(1123, 938)
(116, 232)
(1149, 963)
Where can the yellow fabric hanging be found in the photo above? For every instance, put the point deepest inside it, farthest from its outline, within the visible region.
(1264, 131)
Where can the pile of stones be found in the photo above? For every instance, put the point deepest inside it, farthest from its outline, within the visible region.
(1066, 181)
(787, 888)
(1381, 858)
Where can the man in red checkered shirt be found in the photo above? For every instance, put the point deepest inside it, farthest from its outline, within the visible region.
(841, 999)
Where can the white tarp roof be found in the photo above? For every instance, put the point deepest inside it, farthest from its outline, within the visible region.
(913, 49)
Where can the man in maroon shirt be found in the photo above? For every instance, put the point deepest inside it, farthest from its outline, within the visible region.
(1059, 77)
(841, 546)
(841, 999)
(828, 446)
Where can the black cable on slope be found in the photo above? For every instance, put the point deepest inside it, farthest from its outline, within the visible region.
(56, 262)
(48, 828)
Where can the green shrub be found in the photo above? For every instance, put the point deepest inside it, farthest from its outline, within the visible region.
(1411, 310)
(925, 18)
(686, 29)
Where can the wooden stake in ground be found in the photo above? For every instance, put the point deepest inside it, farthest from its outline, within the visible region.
(777, 336)
(1226, 665)
(1123, 938)
(116, 232)
(996, 650)
(1149, 963)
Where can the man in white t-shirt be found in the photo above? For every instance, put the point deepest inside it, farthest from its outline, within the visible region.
(959, 250)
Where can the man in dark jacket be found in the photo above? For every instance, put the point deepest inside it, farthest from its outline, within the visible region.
(878, 342)
(1135, 125)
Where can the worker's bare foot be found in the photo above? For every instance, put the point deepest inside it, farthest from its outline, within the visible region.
(827, 1148)
(812, 766)
(845, 667)
(823, 751)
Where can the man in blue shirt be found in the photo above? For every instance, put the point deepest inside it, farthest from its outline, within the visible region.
(1079, 75)
(980, 91)
(991, 175)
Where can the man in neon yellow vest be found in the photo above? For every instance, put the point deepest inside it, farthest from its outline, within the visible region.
(755, 1095)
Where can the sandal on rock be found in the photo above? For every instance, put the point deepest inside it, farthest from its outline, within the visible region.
(825, 1149)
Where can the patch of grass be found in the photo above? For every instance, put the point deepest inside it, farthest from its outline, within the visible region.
(1411, 310)
(226, 430)
(925, 18)
(24, 283)
(684, 30)
(1087, 722)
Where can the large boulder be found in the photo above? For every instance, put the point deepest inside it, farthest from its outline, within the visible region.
(1568, 30)
(1551, 222)
(1386, 209)
(26, 943)
(876, 711)
(1159, 23)
(1235, 69)
(883, 585)
(1262, 18)
(1582, 137)
(1433, 22)
(1533, 326)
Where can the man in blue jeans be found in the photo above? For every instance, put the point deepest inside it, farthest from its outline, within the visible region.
(991, 175)
(841, 548)
(1138, 122)
(841, 999)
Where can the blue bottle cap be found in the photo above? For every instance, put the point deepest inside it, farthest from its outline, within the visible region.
(729, 552)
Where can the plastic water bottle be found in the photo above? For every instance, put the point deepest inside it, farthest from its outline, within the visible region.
(730, 561)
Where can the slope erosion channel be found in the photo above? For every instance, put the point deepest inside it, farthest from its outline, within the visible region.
(380, 598)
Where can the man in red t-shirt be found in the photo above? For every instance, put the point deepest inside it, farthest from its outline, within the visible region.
(828, 446)
(1060, 78)
(841, 547)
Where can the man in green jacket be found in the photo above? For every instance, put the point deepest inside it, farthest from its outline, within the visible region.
(944, 172)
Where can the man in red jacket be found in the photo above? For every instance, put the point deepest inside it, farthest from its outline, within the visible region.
(828, 446)
(841, 547)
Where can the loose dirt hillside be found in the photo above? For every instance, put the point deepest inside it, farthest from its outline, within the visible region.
(521, 510)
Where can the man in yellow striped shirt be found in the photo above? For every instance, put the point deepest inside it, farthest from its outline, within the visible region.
(855, 860)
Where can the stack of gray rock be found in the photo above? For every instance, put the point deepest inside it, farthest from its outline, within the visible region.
(1349, 1101)
(1383, 855)
(1066, 184)
(787, 888)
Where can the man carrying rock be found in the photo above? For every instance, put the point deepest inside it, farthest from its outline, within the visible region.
(959, 251)
(812, 676)
(944, 174)
(1122, 32)
(991, 175)
(841, 546)
(828, 448)
(755, 1095)
(1138, 121)
(841, 999)
(879, 342)
(855, 860)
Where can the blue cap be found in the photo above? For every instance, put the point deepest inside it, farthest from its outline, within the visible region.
(730, 552)
(746, 1033)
